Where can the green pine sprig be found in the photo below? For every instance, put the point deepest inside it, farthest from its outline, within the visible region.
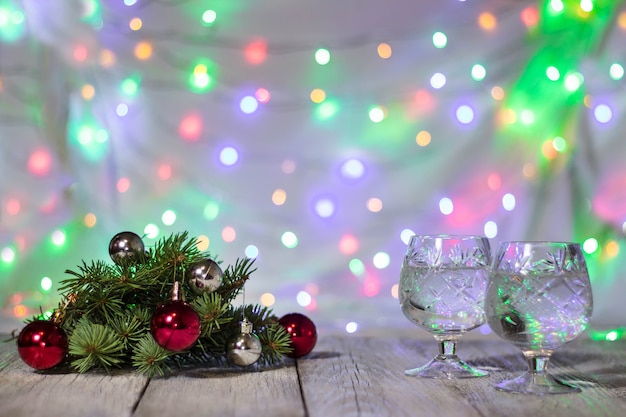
(106, 310)
(149, 358)
(275, 342)
(95, 345)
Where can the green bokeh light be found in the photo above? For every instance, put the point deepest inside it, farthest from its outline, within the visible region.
(327, 110)
(357, 267)
(12, 22)
(211, 210)
(478, 72)
(616, 71)
(130, 86)
(208, 17)
(202, 76)
(289, 240)
(322, 56)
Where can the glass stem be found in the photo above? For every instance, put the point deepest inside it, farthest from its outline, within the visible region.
(447, 348)
(538, 365)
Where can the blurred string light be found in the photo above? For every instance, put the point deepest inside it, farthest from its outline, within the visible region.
(58, 237)
(352, 169)
(357, 267)
(352, 327)
(211, 210)
(256, 53)
(267, 299)
(168, 217)
(616, 71)
(46, 284)
(324, 207)
(12, 22)
(251, 251)
(348, 244)
(248, 104)
(446, 206)
(289, 240)
(440, 40)
(322, 56)
(229, 156)
(208, 17)
(191, 127)
(8, 255)
(151, 231)
(384, 50)
(478, 72)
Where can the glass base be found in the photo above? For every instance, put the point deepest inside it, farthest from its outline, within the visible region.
(536, 384)
(446, 367)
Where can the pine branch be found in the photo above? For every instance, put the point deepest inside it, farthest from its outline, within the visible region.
(106, 311)
(95, 345)
(213, 312)
(149, 358)
(276, 343)
(234, 278)
(129, 328)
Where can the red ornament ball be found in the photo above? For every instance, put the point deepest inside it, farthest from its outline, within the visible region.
(302, 332)
(42, 344)
(175, 326)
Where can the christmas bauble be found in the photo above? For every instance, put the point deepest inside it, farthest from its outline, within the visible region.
(126, 246)
(244, 349)
(42, 344)
(204, 276)
(302, 332)
(175, 326)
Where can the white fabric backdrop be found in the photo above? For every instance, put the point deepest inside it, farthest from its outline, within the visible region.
(578, 195)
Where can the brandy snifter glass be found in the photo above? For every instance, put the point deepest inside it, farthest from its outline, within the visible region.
(539, 298)
(442, 289)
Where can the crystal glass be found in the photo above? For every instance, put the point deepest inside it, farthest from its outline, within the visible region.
(442, 289)
(539, 298)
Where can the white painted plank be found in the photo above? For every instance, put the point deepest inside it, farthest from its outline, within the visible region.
(27, 392)
(225, 393)
(364, 377)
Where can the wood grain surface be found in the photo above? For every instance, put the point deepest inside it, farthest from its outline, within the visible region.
(345, 375)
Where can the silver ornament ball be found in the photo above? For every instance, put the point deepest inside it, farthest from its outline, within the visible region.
(204, 276)
(244, 349)
(126, 246)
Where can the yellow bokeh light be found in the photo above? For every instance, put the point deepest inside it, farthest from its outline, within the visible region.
(547, 149)
(507, 116)
(279, 196)
(529, 171)
(384, 50)
(487, 21)
(19, 310)
(612, 248)
(374, 204)
(497, 93)
(143, 50)
(621, 20)
(268, 299)
(135, 23)
(423, 138)
(202, 243)
(90, 220)
(200, 69)
(318, 95)
(394, 291)
(88, 91)
(587, 101)
(107, 58)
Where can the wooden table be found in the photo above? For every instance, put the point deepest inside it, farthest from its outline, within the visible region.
(346, 375)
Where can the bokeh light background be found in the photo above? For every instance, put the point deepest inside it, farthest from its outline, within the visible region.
(313, 136)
